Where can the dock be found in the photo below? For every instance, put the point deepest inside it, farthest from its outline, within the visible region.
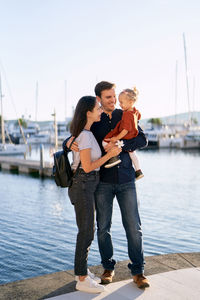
(172, 276)
(20, 165)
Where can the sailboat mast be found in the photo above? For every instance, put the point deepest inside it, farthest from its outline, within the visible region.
(36, 101)
(55, 130)
(186, 76)
(2, 120)
(176, 75)
(65, 99)
(193, 106)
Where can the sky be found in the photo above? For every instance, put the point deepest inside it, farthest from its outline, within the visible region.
(68, 46)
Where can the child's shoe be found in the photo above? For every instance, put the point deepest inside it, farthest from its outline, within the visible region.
(113, 162)
(138, 174)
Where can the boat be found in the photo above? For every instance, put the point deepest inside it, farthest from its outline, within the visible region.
(61, 133)
(187, 137)
(42, 137)
(160, 137)
(12, 149)
(192, 139)
(8, 149)
(16, 133)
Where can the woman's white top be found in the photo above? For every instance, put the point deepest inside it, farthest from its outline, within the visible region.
(86, 140)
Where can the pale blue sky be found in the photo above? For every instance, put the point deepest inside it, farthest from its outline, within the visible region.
(127, 42)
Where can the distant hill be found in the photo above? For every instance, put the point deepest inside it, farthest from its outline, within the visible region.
(180, 118)
(42, 124)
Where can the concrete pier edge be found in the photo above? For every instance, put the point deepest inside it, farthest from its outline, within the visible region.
(62, 282)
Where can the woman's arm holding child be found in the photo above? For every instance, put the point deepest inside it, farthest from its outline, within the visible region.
(88, 165)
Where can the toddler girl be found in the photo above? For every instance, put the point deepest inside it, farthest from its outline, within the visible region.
(126, 128)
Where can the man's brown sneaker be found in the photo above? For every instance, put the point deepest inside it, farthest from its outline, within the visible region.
(141, 281)
(107, 276)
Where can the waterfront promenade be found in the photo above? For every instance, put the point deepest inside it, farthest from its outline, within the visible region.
(172, 276)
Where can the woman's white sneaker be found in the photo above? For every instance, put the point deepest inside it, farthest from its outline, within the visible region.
(88, 285)
(91, 275)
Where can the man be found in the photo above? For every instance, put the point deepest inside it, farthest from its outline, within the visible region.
(117, 181)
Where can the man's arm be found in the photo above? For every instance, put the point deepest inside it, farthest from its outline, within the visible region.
(66, 144)
(138, 142)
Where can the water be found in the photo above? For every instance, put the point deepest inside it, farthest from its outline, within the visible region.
(37, 222)
(33, 152)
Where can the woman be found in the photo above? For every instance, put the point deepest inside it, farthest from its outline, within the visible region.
(85, 181)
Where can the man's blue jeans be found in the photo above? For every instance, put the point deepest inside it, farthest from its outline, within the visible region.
(127, 200)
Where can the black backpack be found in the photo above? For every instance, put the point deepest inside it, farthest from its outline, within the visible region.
(62, 172)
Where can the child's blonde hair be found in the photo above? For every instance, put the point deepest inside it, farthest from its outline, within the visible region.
(131, 94)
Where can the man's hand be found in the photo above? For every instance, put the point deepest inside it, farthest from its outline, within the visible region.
(136, 116)
(74, 146)
(114, 151)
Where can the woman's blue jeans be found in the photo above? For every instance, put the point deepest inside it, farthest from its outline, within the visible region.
(81, 194)
(127, 200)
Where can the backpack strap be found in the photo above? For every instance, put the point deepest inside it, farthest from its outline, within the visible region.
(71, 143)
(77, 169)
(79, 162)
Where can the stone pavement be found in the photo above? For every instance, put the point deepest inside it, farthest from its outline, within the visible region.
(181, 284)
(172, 276)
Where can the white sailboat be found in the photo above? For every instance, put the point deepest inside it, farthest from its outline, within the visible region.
(182, 138)
(160, 137)
(192, 138)
(8, 149)
(11, 149)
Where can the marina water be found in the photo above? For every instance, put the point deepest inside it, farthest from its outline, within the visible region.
(37, 221)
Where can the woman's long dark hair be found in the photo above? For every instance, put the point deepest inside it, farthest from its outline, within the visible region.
(85, 104)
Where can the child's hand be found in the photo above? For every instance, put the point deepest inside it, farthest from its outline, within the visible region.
(107, 140)
(113, 139)
(119, 144)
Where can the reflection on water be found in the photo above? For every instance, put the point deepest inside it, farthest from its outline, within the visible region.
(38, 228)
(33, 152)
(57, 210)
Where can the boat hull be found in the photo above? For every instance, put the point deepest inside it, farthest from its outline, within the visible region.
(11, 149)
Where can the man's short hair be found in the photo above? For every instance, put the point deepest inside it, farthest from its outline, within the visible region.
(102, 86)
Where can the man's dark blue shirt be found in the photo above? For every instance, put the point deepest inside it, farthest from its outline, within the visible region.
(123, 172)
